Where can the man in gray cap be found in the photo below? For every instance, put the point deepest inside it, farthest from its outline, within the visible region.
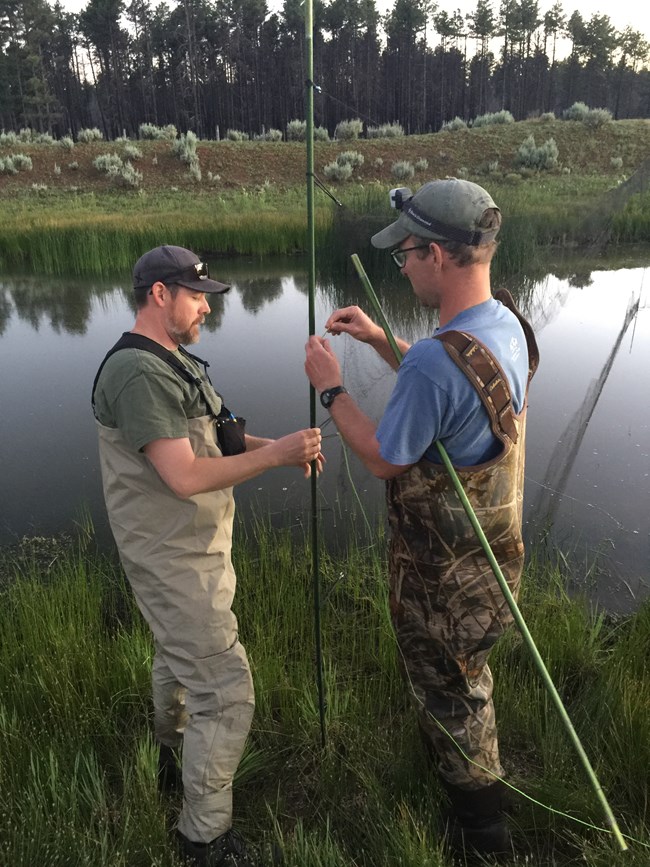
(465, 388)
(170, 454)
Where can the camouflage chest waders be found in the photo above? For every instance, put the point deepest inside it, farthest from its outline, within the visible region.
(446, 605)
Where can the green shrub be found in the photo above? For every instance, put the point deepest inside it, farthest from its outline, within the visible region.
(338, 172)
(540, 158)
(421, 165)
(39, 188)
(118, 171)
(402, 170)
(378, 162)
(108, 162)
(236, 135)
(127, 176)
(348, 130)
(7, 166)
(8, 139)
(87, 135)
(453, 125)
(321, 134)
(269, 135)
(195, 171)
(386, 130)
(546, 117)
(30, 136)
(296, 130)
(493, 118)
(67, 143)
(73, 165)
(597, 117)
(57, 169)
(151, 131)
(184, 147)
(578, 111)
(22, 162)
(131, 152)
(352, 158)
(616, 162)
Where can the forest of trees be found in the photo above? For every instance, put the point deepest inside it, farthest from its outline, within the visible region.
(210, 65)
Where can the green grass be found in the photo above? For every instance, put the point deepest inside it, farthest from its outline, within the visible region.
(102, 234)
(77, 760)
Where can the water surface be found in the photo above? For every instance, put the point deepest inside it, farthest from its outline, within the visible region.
(588, 465)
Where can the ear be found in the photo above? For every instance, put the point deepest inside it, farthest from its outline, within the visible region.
(437, 252)
(157, 292)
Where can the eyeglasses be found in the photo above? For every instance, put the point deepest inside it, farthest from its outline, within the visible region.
(398, 255)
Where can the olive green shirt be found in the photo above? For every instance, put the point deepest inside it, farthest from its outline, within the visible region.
(144, 398)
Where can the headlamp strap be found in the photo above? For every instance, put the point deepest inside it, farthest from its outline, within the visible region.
(451, 233)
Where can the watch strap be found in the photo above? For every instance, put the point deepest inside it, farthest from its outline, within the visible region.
(327, 397)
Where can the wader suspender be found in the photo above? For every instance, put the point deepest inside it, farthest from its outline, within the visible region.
(230, 430)
(485, 373)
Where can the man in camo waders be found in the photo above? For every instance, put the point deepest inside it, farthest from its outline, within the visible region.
(466, 387)
(170, 453)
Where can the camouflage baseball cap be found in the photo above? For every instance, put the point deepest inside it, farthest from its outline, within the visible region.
(443, 210)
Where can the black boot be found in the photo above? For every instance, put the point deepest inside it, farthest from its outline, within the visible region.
(477, 825)
(228, 850)
(170, 778)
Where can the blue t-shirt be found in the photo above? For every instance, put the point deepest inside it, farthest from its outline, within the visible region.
(434, 401)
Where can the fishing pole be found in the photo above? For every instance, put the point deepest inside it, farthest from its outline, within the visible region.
(503, 584)
(311, 246)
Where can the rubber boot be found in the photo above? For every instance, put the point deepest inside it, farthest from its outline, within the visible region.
(477, 825)
(228, 850)
(170, 778)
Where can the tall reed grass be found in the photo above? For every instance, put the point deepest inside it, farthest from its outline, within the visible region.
(77, 760)
(90, 234)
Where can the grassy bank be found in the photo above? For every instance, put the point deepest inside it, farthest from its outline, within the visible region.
(252, 198)
(77, 760)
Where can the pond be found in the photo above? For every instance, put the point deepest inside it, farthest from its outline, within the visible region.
(588, 466)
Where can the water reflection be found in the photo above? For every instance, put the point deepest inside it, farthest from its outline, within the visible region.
(588, 474)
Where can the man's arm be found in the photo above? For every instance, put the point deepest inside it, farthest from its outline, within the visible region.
(359, 432)
(356, 428)
(253, 443)
(187, 475)
(353, 321)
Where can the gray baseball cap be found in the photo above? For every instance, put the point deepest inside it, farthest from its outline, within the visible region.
(169, 264)
(443, 210)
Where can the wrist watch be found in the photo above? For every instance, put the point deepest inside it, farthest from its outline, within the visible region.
(327, 397)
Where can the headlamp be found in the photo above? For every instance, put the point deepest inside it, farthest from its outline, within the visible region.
(399, 196)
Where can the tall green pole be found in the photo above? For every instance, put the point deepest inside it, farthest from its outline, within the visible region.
(311, 246)
(503, 584)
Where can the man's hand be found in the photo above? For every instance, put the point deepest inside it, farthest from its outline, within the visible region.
(187, 475)
(321, 365)
(299, 449)
(353, 321)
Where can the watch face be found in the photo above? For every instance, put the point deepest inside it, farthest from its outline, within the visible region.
(327, 397)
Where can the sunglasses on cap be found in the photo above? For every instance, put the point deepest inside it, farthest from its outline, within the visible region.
(197, 271)
(193, 272)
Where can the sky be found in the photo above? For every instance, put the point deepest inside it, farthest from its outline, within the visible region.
(622, 14)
